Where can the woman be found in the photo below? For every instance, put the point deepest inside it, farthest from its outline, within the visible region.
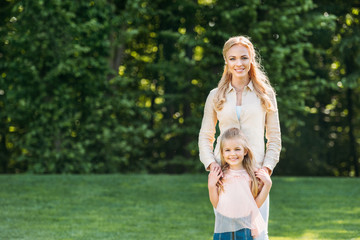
(243, 99)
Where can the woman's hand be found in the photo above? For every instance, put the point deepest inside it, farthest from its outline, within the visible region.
(215, 166)
(264, 177)
(214, 177)
(267, 170)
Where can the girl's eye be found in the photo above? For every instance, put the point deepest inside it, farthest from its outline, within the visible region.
(244, 58)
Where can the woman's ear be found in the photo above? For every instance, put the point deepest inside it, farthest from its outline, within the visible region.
(245, 152)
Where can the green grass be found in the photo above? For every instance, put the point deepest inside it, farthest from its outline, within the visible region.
(165, 207)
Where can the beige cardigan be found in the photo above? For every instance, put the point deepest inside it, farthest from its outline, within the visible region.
(254, 120)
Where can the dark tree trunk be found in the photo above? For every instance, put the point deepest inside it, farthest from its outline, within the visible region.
(352, 145)
(4, 156)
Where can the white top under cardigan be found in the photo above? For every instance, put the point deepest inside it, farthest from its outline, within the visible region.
(238, 112)
(253, 122)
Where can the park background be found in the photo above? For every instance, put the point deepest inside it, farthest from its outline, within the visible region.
(111, 86)
(120, 86)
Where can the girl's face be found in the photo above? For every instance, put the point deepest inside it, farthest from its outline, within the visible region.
(233, 153)
(238, 61)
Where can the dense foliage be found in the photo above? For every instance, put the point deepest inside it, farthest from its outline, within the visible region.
(119, 86)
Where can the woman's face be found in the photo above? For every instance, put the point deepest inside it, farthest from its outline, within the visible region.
(238, 61)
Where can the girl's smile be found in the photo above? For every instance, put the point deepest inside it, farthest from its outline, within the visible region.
(233, 153)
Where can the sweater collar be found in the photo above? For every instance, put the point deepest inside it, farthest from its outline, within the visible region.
(250, 86)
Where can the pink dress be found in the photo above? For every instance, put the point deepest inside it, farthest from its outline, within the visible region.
(237, 208)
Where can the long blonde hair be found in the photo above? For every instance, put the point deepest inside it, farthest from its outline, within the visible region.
(248, 162)
(257, 75)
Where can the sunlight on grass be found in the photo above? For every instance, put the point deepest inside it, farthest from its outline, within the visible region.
(166, 207)
(314, 208)
(310, 235)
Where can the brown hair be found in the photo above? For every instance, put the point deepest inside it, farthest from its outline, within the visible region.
(257, 75)
(248, 162)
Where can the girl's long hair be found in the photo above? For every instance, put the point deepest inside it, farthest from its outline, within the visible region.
(248, 162)
(257, 75)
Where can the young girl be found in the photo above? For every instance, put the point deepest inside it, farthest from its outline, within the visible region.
(236, 197)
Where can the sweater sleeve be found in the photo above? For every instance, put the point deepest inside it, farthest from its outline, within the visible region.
(207, 132)
(273, 136)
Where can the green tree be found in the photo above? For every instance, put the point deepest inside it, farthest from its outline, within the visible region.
(119, 86)
(61, 109)
(343, 112)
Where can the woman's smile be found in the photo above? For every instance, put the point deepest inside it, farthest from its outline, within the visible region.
(238, 61)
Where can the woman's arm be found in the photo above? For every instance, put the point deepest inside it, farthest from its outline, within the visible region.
(265, 178)
(207, 132)
(273, 136)
(213, 179)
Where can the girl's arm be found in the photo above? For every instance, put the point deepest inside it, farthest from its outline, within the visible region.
(213, 178)
(265, 178)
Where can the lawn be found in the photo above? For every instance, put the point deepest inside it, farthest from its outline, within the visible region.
(165, 207)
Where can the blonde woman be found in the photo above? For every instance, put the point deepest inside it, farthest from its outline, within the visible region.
(244, 99)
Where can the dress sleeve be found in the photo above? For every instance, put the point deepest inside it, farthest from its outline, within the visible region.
(207, 132)
(273, 136)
